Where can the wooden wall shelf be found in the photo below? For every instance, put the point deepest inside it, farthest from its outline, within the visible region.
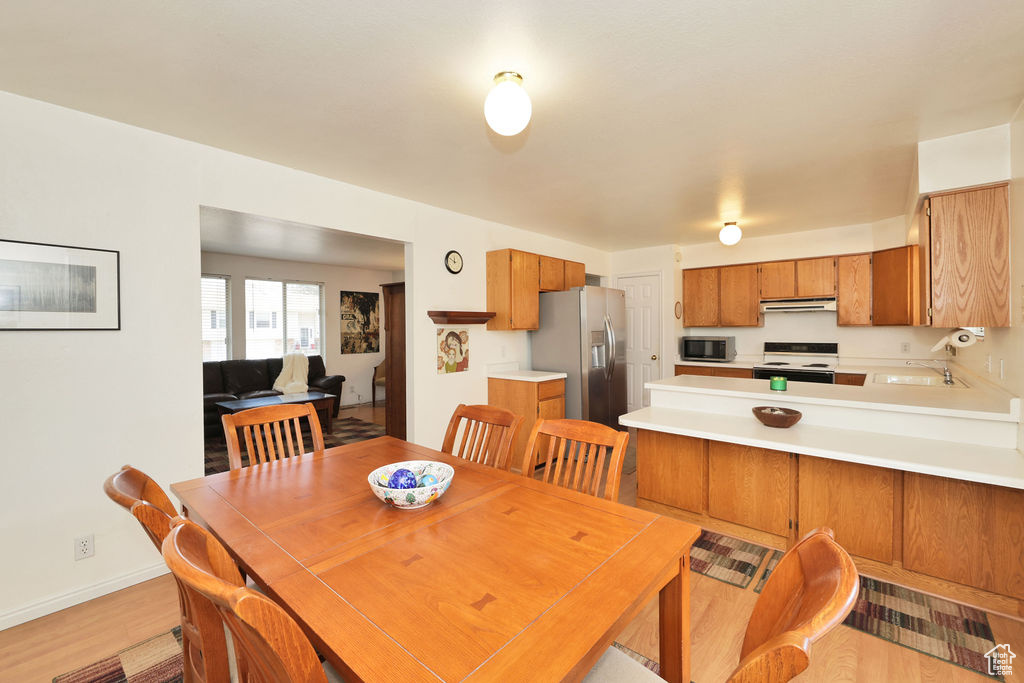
(460, 317)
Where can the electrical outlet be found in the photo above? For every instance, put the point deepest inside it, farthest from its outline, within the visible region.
(84, 547)
(905, 347)
(988, 363)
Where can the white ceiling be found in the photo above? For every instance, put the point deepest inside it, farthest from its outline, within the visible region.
(653, 121)
(232, 232)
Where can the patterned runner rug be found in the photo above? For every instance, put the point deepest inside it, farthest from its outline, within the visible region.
(945, 630)
(154, 660)
(769, 567)
(726, 558)
(346, 430)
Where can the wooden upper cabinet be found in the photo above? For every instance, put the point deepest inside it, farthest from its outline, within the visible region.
(853, 298)
(970, 258)
(738, 301)
(700, 297)
(816, 277)
(575, 274)
(778, 280)
(552, 274)
(513, 286)
(894, 285)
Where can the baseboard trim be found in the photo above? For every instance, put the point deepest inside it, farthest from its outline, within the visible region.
(80, 595)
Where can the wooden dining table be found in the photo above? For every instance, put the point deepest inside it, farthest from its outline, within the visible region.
(504, 578)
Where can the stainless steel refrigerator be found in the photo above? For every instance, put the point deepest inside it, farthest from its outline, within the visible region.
(583, 333)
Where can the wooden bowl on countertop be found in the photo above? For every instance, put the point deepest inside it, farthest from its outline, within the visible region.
(771, 416)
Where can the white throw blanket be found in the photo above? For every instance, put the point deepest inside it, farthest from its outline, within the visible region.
(294, 373)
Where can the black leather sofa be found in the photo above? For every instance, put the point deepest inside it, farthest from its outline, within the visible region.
(229, 380)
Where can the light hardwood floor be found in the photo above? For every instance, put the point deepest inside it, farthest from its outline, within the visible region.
(63, 641)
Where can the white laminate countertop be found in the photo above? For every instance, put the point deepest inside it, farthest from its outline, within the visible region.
(979, 401)
(528, 375)
(984, 464)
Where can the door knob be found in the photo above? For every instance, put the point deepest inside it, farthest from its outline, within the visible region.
(654, 356)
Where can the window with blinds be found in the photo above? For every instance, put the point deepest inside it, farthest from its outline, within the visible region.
(283, 317)
(214, 291)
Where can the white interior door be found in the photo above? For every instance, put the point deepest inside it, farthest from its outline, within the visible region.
(643, 336)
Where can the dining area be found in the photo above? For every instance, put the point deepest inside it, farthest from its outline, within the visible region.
(496, 569)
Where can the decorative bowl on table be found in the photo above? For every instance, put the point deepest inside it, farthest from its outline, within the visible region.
(411, 484)
(770, 416)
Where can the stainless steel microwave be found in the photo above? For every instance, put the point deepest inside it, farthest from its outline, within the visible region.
(715, 349)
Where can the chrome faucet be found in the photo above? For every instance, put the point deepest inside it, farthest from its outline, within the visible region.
(947, 376)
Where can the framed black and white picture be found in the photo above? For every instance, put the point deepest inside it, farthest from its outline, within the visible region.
(56, 287)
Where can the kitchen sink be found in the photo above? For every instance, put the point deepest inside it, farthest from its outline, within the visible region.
(920, 381)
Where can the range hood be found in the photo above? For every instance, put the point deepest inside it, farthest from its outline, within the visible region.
(798, 305)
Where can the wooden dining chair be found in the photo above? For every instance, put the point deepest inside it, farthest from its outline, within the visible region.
(204, 645)
(271, 433)
(269, 645)
(812, 590)
(487, 434)
(578, 455)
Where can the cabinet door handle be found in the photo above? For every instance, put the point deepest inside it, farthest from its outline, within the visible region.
(654, 356)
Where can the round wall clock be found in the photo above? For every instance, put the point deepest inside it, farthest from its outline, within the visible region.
(453, 262)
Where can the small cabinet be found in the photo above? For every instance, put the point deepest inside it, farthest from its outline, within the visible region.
(575, 274)
(816, 277)
(750, 486)
(513, 285)
(969, 258)
(894, 286)
(964, 531)
(778, 280)
(853, 295)
(852, 378)
(855, 501)
(738, 296)
(532, 400)
(670, 469)
(552, 274)
(700, 297)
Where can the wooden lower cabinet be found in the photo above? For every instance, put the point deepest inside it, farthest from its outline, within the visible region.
(743, 373)
(965, 532)
(670, 469)
(532, 400)
(749, 486)
(855, 501)
(852, 378)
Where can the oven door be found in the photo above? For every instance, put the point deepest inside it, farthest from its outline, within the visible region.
(818, 376)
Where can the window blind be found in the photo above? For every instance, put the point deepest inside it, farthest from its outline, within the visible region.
(283, 317)
(216, 334)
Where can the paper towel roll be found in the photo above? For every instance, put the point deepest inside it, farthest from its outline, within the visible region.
(959, 339)
(962, 338)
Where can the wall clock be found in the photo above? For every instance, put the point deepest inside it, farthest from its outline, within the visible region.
(453, 262)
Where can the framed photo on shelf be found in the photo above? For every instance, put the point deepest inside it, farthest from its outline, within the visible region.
(57, 287)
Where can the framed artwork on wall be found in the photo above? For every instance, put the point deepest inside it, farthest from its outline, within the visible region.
(58, 287)
(360, 322)
(452, 350)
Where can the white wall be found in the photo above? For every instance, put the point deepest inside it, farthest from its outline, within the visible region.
(78, 405)
(1007, 344)
(356, 367)
(973, 158)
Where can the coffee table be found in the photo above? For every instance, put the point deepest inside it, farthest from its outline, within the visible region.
(322, 403)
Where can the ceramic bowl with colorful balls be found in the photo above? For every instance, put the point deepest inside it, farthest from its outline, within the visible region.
(411, 484)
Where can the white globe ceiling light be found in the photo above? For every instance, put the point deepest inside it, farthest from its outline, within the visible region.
(730, 234)
(507, 107)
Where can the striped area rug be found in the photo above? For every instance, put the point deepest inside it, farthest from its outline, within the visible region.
(945, 630)
(769, 567)
(726, 558)
(154, 660)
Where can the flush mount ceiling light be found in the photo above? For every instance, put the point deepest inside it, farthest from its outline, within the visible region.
(730, 234)
(507, 107)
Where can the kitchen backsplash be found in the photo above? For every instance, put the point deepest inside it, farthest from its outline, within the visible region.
(858, 342)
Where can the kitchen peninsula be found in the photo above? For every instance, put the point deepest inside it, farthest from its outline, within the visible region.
(921, 483)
